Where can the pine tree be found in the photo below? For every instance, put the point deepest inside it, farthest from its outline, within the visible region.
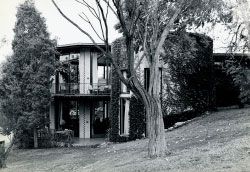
(26, 76)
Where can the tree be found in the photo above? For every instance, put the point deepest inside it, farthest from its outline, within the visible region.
(25, 82)
(240, 35)
(146, 24)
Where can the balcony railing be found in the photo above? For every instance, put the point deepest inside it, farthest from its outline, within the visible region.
(81, 88)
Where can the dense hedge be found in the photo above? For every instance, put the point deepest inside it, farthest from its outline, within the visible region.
(190, 83)
(45, 140)
(137, 123)
(114, 114)
(115, 94)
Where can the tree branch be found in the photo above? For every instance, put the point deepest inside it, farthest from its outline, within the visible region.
(139, 62)
(91, 25)
(166, 30)
(106, 53)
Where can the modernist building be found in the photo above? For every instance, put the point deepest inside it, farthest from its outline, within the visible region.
(81, 93)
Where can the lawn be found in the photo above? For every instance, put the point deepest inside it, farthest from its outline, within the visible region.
(216, 142)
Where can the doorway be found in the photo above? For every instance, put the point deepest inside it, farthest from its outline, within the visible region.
(99, 119)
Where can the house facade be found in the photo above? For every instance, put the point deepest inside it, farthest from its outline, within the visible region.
(81, 92)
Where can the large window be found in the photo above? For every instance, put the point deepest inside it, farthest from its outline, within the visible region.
(69, 56)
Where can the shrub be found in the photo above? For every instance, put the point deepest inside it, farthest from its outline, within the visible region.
(189, 79)
(115, 94)
(137, 123)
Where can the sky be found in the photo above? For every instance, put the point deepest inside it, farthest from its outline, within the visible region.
(57, 26)
(65, 32)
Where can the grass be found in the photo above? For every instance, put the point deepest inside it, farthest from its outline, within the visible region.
(215, 142)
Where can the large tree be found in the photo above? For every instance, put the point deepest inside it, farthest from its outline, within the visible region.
(26, 76)
(145, 24)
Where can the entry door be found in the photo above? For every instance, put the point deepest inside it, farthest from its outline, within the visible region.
(99, 123)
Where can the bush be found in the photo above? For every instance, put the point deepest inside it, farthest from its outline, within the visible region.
(115, 94)
(137, 123)
(189, 79)
(25, 139)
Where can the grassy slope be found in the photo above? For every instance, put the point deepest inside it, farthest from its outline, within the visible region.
(216, 142)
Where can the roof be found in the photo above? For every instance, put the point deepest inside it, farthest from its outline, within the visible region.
(80, 45)
(234, 54)
(76, 47)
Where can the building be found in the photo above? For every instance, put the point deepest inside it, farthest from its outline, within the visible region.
(81, 91)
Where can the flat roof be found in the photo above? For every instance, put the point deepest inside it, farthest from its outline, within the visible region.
(228, 54)
(76, 47)
(80, 44)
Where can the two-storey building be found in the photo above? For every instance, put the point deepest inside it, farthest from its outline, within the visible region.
(81, 91)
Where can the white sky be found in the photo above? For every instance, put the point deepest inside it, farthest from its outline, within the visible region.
(58, 27)
(65, 31)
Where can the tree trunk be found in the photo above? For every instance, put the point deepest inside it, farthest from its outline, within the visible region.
(154, 120)
(151, 101)
(157, 143)
(35, 138)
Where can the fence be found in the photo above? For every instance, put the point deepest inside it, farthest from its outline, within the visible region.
(81, 88)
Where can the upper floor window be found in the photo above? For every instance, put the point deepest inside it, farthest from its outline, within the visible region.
(70, 56)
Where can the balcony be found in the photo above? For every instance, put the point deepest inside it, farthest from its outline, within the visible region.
(80, 89)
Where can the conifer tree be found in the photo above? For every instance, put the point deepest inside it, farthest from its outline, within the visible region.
(26, 77)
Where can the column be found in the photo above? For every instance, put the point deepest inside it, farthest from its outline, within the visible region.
(84, 120)
(126, 117)
(81, 71)
(52, 115)
(94, 68)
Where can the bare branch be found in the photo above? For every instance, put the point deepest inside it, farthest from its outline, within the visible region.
(99, 20)
(91, 9)
(91, 25)
(106, 53)
(107, 10)
(77, 26)
(112, 9)
(104, 19)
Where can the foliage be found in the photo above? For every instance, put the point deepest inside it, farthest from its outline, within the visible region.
(115, 94)
(238, 67)
(190, 74)
(25, 81)
(226, 92)
(235, 67)
(137, 123)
